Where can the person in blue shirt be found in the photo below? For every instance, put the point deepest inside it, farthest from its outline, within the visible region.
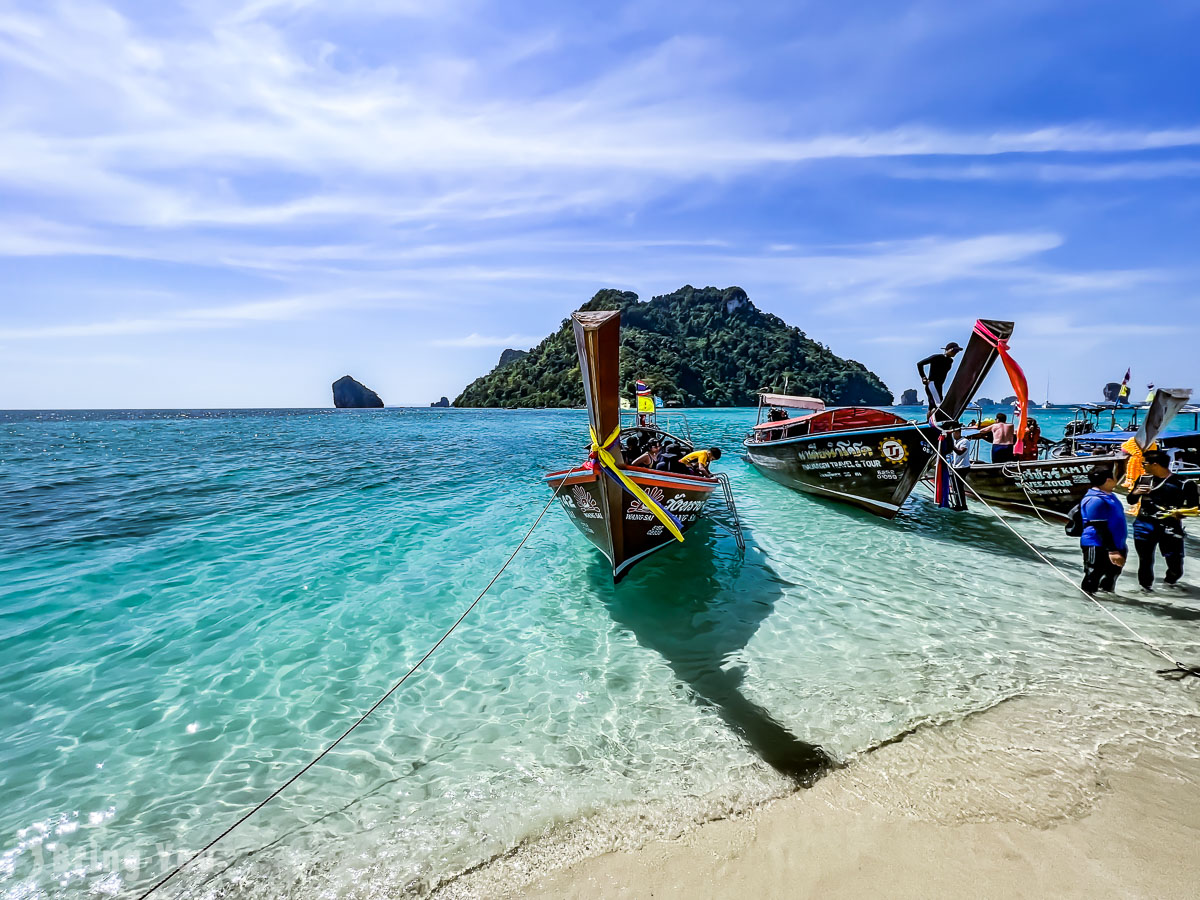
(1105, 541)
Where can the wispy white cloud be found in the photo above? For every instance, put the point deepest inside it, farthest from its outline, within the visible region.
(1137, 170)
(277, 309)
(172, 126)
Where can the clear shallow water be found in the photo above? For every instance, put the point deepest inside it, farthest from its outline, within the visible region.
(192, 604)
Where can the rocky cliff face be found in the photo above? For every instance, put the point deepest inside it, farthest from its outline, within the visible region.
(508, 357)
(442, 404)
(350, 394)
(909, 398)
(694, 347)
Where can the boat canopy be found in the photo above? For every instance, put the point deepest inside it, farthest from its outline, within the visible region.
(846, 418)
(789, 402)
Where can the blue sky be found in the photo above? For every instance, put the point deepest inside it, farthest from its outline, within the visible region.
(233, 203)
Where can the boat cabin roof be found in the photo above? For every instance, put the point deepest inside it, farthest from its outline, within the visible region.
(845, 418)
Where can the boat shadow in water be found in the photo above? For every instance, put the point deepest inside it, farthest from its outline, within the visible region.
(698, 608)
(981, 531)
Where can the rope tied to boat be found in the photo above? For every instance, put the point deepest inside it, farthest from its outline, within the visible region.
(1178, 671)
(608, 465)
(1018, 475)
(378, 703)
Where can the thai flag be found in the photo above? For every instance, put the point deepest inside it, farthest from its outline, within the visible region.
(643, 389)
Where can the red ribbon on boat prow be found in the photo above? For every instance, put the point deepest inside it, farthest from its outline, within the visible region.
(1015, 376)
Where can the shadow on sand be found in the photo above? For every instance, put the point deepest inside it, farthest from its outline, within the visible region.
(697, 611)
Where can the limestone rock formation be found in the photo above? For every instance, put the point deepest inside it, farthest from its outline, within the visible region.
(909, 398)
(350, 394)
(508, 357)
(442, 404)
(694, 347)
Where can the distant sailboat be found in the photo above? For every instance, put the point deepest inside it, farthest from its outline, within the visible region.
(1047, 404)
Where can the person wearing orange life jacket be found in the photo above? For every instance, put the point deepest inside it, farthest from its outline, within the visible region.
(1033, 437)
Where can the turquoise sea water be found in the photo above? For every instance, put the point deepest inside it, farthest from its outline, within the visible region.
(193, 603)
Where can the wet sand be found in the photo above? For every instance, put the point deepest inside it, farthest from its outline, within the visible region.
(999, 805)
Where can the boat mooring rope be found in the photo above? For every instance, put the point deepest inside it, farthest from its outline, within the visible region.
(378, 703)
(1020, 477)
(1178, 670)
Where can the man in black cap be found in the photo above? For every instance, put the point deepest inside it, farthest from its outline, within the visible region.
(939, 367)
(1160, 491)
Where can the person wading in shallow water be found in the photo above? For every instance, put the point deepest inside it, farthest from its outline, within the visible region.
(1002, 435)
(1104, 541)
(939, 367)
(1161, 491)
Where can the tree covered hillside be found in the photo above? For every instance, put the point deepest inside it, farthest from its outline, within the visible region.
(699, 347)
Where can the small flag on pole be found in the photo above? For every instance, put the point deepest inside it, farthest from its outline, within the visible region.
(645, 400)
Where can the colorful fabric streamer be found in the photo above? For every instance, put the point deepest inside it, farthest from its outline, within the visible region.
(609, 466)
(1016, 376)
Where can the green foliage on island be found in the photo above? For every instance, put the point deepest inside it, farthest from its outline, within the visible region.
(694, 347)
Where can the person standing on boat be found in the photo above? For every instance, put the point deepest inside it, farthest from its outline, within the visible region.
(1154, 532)
(939, 366)
(1104, 541)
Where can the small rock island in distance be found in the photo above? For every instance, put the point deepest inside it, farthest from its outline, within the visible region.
(351, 394)
(442, 404)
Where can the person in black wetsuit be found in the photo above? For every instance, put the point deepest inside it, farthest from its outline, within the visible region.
(1151, 530)
(939, 367)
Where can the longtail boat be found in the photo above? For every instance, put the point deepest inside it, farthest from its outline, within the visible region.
(870, 458)
(628, 512)
(1086, 433)
(1052, 485)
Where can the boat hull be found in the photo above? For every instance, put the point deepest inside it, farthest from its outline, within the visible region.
(617, 523)
(1049, 487)
(874, 469)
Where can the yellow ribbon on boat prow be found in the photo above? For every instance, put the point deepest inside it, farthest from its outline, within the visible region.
(607, 460)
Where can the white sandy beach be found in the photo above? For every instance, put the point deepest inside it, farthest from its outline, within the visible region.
(1000, 805)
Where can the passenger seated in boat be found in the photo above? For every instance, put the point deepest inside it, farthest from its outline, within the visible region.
(668, 460)
(633, 447)
(697, 461)
(649, 459)
(776, 415)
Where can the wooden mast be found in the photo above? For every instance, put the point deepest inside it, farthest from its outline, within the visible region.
(598, 342)
(977, 361)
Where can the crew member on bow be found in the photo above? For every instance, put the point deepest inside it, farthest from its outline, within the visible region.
(939, 366)
(1158, 494)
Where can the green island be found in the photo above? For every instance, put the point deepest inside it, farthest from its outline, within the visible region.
(693, 347)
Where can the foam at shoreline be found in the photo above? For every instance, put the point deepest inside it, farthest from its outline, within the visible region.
(1019, 763)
